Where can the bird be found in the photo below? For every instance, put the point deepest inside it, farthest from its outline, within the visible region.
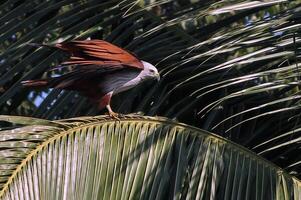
(99, 70)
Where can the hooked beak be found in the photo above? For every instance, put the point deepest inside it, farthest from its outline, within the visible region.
(158, 76)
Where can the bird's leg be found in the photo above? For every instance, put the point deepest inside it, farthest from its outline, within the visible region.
(107, 101)
(112, 113)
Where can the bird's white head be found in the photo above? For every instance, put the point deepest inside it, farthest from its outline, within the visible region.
(149, 71)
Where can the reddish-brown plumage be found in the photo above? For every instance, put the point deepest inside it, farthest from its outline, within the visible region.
(98, 52)
(99, 69)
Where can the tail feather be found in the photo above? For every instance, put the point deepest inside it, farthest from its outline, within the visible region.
(35, 83)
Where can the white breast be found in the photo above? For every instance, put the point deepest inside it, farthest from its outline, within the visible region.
(128, 85)
(127, 79)
(121, 81)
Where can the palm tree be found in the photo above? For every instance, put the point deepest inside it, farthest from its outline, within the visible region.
(228, 67)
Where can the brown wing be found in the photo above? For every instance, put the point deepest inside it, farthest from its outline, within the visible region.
(92, 61)
(98, 52)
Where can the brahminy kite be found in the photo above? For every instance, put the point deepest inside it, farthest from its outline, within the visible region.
(99, 70)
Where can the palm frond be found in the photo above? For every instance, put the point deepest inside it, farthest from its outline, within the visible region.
(134, 158)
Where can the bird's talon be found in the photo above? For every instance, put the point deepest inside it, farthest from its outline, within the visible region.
(114, 115)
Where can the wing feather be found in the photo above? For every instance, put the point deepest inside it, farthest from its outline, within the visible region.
(98, 52)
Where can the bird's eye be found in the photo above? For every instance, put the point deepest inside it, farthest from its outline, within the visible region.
(152, 71)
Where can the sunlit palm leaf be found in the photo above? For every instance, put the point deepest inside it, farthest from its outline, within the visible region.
(135, 158)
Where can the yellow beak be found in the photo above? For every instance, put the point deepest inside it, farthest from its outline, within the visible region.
(158, 76)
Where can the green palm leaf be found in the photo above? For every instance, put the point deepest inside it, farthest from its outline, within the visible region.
(134, 158)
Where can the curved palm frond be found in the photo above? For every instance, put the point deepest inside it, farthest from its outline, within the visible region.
(134, 158)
